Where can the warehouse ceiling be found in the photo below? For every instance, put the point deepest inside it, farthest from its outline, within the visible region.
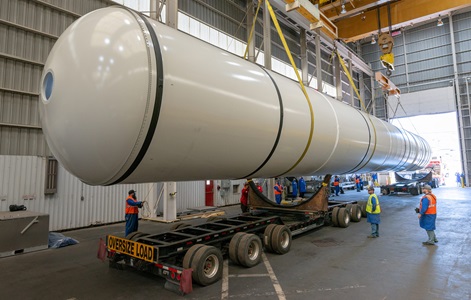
(363, 18)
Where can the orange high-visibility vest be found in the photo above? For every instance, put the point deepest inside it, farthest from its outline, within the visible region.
(280, 189)
(131, 209)
(432, 206)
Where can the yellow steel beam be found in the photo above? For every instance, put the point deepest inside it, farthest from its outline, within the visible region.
(403, 13)
(387, 85)
(314, 16)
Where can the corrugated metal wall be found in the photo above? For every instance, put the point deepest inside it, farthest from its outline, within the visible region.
(28, 30)
(423, 54)
(77, 204)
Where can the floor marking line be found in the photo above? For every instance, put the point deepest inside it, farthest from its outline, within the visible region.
(276, 284)
(248, 275)
(225, 280)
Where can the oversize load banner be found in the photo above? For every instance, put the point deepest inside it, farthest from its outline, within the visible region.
(131, 248)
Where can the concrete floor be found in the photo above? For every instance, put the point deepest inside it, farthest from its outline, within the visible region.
(328, 263)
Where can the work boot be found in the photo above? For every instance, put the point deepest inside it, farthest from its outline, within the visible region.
(428, 243)
(372, 236)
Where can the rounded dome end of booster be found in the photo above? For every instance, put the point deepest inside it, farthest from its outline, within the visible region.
(95, 91)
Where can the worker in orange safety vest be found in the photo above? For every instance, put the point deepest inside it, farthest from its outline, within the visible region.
(278, 192)
(337, 185)
(132, 212)
(427, 213)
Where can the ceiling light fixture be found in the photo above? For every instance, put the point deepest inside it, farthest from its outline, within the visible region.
(439, 22)
(343, 11)
(373, 40)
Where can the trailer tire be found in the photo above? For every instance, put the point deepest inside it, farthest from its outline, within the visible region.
(234, 246)
(249, 251)
(335, 216)
(362, 205)
(281, 239)
(356, 213)
(344, 218)
(189, 255)
(267, 237)
(207, 265)
(348, 207)
(133, 236)
(179, 226)
(385, 191)
(414, 191)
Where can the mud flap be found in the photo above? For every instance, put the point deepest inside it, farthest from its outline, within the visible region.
(186, 284)
(101, 254)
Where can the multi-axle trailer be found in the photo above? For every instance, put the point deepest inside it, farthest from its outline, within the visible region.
(195, 253)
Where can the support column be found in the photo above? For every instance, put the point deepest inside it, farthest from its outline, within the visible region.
(338, 78)
(350, 69)
(373, 96)
(250, 22)
(154, 9)
(361, 83)
(266, 36)
(170, 203)
(171, 9)
(318, 60)
(405, 58)
(464, 159)
(304, 59)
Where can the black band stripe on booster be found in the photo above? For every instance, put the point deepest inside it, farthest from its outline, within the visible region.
(157, 104)
(357, 167)
(280, 127)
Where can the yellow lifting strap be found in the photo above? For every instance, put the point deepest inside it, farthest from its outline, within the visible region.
(252, 29)
(361, 101)
(311, 132)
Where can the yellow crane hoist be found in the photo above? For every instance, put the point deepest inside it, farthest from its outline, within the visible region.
(386, 43)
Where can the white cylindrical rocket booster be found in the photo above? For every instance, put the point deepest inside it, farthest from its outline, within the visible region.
(125, 99)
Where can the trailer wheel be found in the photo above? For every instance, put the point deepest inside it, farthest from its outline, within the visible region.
(344, 218)
(179, 226)
(133, 236)
(348, 207)
(234, 245)
(335, 216)
(414, 191)
(362, 205)
(356, 213)
(188, 258)
(249, 251)
(385, 191)
(267, 237)
(207, 265)
(281, 239)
